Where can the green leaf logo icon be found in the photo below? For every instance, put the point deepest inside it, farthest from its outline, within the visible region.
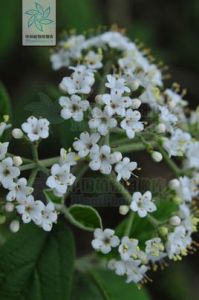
(38, 16)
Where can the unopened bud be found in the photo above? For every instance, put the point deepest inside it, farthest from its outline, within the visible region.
(157, 156)
(9, 207)
(136, 103)
(163, 231)
(175, 221)
(17, 161)
(2, 219)
(14, 226)
(174, 184)
(123, 209)
(177, 200)
(17, 133)
(161, 128)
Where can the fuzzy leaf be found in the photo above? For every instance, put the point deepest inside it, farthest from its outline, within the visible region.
(36, 265)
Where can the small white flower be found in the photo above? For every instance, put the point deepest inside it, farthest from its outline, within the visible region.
(80, 82)
(102, 159)
(93, 60)
(69, 158)
(117, 84)
(154, 249)
(60, 179)
(104, 240)
(167, 118)
(36, 128)
(8, 172)
(178, 143)
(115, 103)
(192, 155)
(135, 271)
(125, 168)
(174, 99)
(184, 189)
(142, 204)
(73, 107)
(85, 143)
(128, 248)
(131, 123)
(30, 210)
(19, 190)
(3, 150)
(49, 216)
(101, 121)
(177, 242)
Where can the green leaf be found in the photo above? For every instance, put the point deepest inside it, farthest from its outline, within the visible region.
(38, 25)
(46, 21)
(31, 12)
(87, 289)
(46, 12)
(39, 8)
(51, 197)
(46, 108)
(5, 106)
(31, 21)
(84, 217)
(35, 265)
(114, 287)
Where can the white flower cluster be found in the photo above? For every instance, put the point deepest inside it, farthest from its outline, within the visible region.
(115, 89)
(111, 78)
(19, 194)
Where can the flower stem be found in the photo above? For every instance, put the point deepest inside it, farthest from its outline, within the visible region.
(129, 224)
(170, 162)
(130, 147)
(35, 152)
(32, 177)
(121, 189)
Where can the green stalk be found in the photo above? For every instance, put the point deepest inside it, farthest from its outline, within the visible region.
(32, 177)
(129, 224)
(121, 189)
(170, 162)
(130, 147)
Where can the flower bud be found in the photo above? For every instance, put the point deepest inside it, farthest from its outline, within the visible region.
(136, 103)
(9, 207)
(177, 200)
(2, 219)
(135, 85)
(17, 133)
(174, 184)
(161, 128)
(157, 156)
(6, 118)
(17, 161)
(123, 209)
(14, 226)
(163, 231)
(175, 221)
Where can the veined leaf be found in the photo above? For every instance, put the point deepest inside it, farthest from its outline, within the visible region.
(46, 21)
(46, 12)
(31, 12)
(114, 287)
(46, 108)
(85, 217)
(35, 265)
(38, 25)
(31, 21)
(39, 8)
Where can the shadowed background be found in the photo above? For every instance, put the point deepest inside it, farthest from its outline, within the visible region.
(170, 28)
